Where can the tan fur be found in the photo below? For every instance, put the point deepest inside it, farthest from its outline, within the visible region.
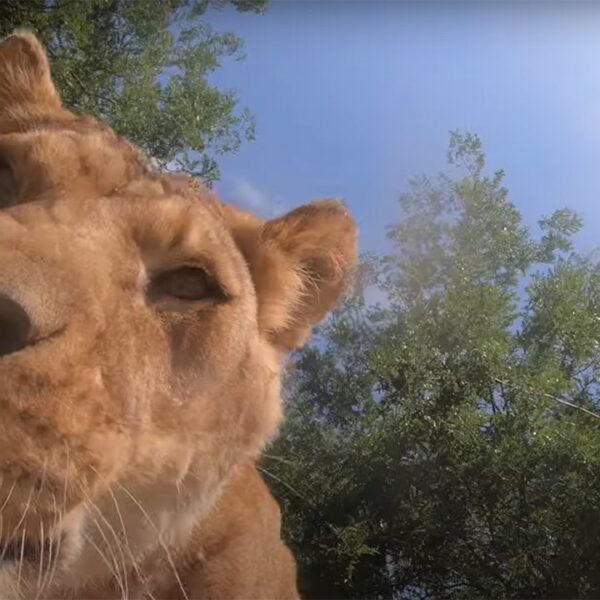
(129, 426)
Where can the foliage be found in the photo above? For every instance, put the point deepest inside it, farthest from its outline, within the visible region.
(142, 65)
(428, 450)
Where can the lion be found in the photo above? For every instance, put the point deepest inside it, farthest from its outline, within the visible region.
(143, 329)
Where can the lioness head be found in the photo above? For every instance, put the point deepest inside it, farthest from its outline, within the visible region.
(141, 333)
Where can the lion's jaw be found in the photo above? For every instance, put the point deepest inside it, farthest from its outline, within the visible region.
(124, 545)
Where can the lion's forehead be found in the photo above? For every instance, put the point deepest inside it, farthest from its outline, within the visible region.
(72, 158)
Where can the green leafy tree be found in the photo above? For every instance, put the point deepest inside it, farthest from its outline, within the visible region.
(447, 443)
(142, 65)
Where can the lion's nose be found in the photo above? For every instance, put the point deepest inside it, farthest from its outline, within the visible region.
(15, 326)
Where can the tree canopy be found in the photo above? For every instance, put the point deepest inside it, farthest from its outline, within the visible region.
(142, 66)
(446, 443)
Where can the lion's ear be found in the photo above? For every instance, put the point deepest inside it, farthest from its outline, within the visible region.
(25, 74)
(300, 265)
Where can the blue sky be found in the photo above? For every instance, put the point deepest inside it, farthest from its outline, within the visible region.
(352, 98)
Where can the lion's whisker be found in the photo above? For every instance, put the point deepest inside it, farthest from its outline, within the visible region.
(18, 525)
(10, 492)
(41, 559)
(57, 515)
(43, 479)
(112, 568)
(159, 537)
(52, 552)
(122, 578)
(21, 556)
(134, 562)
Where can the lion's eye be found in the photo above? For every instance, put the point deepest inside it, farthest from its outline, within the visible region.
(185, 283)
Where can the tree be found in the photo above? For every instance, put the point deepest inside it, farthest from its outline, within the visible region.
(447, 443)
(142, 66)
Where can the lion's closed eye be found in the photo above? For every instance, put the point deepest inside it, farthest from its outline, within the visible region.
(189, 284)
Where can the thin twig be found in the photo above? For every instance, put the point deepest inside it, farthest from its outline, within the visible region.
(550, 397)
